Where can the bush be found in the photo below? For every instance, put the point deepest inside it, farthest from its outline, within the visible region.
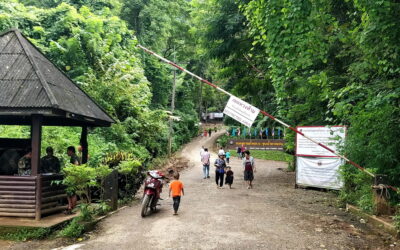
(79, 179)
(87, 212)
(73, 229)
(396, 219)
(223, 140)
(374, 148)
(102, 208)
(129, 168)
(357, 188)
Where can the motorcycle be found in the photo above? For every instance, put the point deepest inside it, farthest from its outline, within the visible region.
(152, 189)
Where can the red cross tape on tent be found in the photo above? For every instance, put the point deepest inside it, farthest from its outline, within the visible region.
(261, 111)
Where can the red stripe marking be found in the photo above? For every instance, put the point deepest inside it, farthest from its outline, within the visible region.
(356, 165)
(209, 83)
(325, 147)
(266, 114)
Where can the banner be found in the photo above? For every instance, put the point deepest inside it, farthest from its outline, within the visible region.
(241, 111)
(329, 136)
(319, 172)
(256, 144)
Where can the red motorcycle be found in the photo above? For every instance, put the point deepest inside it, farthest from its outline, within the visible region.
(152, 189)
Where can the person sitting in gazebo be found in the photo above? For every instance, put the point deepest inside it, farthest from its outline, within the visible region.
(74, 158)
(49, 163)
(24, 164)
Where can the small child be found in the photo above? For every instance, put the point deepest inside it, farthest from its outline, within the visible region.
(229, 177)
(227, 156)
(176, 188)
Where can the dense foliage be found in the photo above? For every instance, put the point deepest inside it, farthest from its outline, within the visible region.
(320, 62)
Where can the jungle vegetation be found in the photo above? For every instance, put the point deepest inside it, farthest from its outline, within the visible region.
(311, 62)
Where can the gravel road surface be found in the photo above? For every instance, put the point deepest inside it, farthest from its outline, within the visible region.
(272, 215)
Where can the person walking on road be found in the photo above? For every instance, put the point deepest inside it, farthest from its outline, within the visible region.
(220, 166)
(176, 188)
(239, 152)
(209, 132)
(221, 151)
(205, 160)
(243, 150)
(249, 169)
(229, 177)
(227, 156)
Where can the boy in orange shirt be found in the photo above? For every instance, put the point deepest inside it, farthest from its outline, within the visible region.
(176, 188)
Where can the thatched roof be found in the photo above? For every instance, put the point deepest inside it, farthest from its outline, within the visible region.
(31, 84)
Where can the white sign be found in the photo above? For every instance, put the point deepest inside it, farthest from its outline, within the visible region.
(328, 136)
(241, 111)
(319, 172)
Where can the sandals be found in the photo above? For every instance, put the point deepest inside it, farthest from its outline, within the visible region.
(68, 212)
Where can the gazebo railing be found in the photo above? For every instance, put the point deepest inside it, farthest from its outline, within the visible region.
(18, 196)
(52, 195)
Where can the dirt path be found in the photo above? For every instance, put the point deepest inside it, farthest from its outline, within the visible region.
(273, 215)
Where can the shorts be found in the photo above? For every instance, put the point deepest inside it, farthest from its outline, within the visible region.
(248, 175)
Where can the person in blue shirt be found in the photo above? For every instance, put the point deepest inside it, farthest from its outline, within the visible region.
(227, 156)
(220, 166)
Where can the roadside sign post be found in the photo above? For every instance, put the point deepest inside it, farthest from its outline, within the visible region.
(316, 166)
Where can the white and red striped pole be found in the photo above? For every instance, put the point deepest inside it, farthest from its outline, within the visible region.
(261, 111)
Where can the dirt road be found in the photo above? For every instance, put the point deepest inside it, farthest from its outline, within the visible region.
(273, 215)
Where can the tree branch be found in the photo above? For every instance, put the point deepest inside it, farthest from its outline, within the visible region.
(261, 73)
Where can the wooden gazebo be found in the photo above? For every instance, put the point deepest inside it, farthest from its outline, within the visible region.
(33, 91)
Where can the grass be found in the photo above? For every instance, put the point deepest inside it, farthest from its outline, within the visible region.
(74, 229)
(269, 155)
(25, 234)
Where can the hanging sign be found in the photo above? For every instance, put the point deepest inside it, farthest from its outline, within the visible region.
(319, 172)
(241, 111)
(329, 136)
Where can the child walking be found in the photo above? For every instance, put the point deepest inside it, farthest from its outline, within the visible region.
(176, 188)
(229, 177)
(227, 156)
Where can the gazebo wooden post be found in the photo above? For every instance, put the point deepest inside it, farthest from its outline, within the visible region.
(84, 144)
(36, 141)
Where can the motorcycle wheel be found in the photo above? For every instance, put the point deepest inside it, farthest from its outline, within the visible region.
(153, 204)
(145, 205)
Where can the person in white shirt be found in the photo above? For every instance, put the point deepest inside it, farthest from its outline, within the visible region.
(205, 160)
(221, 151)
(249, 169)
